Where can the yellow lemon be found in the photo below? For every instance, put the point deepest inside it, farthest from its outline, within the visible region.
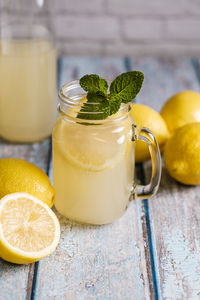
(17, 175)
(182, 154)
(145, 116)
(181, 109)
(29, 229)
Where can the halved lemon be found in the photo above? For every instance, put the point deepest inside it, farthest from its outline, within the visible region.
(29, 229)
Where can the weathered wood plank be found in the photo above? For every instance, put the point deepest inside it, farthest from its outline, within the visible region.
(76, 67)
(16, 280)
(175, 211)
(36, 153)
(98, 262)
(163, 78)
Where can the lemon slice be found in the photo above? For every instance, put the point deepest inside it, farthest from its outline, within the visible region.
(92, 148)
(29, 229)
(96, 164)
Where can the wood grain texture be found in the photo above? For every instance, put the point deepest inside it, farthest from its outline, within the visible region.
(16, 280)
(75, 67)
(112, 262)
(36, 153)
(98, 262)
(175, 210)
(163, 78)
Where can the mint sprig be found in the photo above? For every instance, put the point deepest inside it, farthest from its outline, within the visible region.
(126, 86)
(100, 104)
(94, 83)
(96, 108)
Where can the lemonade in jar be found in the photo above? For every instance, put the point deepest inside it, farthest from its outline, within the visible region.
(93, 150)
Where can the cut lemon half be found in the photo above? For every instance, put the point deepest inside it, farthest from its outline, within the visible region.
(29, 229)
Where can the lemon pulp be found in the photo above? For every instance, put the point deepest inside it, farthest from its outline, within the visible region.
(29, 230)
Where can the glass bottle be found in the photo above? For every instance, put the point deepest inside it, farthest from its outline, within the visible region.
(27, 71)
(93, 162)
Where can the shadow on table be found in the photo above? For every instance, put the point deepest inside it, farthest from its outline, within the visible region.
(167, 183)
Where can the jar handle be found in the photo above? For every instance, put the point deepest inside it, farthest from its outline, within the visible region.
(145, 135)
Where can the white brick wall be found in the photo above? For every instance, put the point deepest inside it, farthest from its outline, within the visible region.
(148, 7)
(126, 27)
(87, 28)
(183, 29)
(79, 6)
(152, 49)
(141, 29)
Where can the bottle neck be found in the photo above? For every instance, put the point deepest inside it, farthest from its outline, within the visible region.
(24, 20)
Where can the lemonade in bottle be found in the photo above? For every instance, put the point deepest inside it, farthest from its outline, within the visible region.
(27, 90)
(27, 72)
(93, 156)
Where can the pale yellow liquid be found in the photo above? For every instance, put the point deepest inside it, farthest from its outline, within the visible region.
(93, 170)
(27, 90)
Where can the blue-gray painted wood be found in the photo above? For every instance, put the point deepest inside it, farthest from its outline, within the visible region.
(112, 262)
(175, 210)
(75, 67)
(16, 280)
(163, 78)
(97, 262)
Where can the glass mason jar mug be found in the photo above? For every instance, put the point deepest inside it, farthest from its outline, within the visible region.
(27, 71)
(93, 161)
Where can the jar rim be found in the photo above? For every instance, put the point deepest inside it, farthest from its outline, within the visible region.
(70, 101)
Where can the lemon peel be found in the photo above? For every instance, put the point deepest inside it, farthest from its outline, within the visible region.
(29, 229)
(18, 175)
(182, 154)
(144, 116)
(181, 109)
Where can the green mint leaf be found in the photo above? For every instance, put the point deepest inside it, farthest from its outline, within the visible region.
(126, 86)
(96, 108)
(96, 97)
(99, 104)
(114, 105)
(93, 83)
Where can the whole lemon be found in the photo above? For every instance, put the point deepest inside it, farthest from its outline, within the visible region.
(182, 154)
(181, 109)
(17, 175)
(145, 116)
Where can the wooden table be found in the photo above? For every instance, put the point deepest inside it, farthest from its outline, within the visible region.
(153, 251)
